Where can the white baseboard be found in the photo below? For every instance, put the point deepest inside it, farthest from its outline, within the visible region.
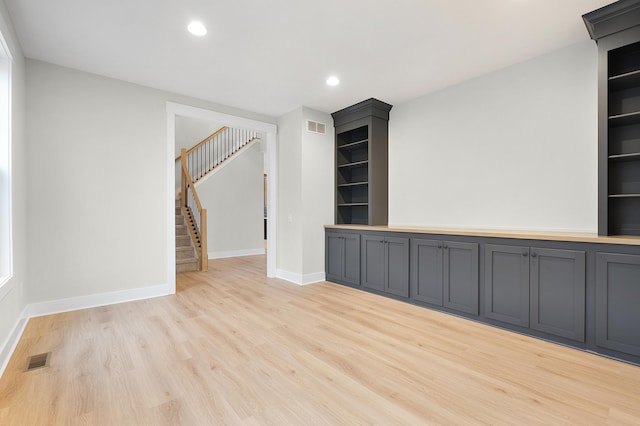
(94, 300)
(12, 341)
(235, 253)
(300, 279)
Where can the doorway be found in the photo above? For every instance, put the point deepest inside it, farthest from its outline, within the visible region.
(269, 129)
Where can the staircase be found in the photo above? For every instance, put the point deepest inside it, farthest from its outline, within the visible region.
(186, 259)
(201, 161)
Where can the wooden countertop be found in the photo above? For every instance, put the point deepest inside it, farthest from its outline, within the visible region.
(529, 235)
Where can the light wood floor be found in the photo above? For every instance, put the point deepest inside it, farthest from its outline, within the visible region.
(233, 347)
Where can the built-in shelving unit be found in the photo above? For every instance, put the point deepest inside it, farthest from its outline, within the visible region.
(616, 29)
(361, 163)
(624, 140)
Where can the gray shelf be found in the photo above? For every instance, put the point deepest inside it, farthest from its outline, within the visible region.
(356, 164)
(624, 195)
(625, 157)
(355, 145)
(625, 119)
(345, 185)
(624, 81)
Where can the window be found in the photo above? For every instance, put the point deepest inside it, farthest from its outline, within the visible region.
(6, 246)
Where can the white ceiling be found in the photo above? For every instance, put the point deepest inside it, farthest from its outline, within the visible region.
(271, 56)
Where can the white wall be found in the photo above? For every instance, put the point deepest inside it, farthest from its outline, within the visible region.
(317, 189)
(190, 131)
(515, 149)
(289, 256)
(234, 199)
(12, 301)
(98, 183)
(305, 194)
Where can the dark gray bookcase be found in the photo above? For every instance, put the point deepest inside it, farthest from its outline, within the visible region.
(616, 29)
(362, 163)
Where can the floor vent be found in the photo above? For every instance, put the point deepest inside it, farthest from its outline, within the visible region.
(38, 361)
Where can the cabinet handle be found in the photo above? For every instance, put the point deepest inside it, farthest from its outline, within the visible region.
(534, 254)
(444, 246)
(439, 245)
(525, 254)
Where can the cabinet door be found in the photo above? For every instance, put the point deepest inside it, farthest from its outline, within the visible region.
(373, 262)
(558, 292)
(617, 296)
(426, 271)
(351, 258)
(334, 256)
(397, 266)
(461, 276)
(507, 284)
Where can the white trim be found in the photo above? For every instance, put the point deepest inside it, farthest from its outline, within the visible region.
(11, 342)
(6, 287)
(171, 210)
(235, 253)
(173, 110)
(95, 300)
(300, 279)
(272, 205)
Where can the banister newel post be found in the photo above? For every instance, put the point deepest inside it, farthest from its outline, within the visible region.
(183, 180)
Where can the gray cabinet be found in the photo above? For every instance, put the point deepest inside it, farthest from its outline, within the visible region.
(584, 294)
(617, 296)
(558, 292)
(342, 257)
(445, 273)
(426, 271)
(507, 284)
(543, 289)
(385, 264)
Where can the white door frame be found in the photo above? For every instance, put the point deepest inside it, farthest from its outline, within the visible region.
(173, 110)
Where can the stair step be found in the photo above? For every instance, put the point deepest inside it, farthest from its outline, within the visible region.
(178, 211)
(179, 220)
(185, 252)
(186, 265)
(182, 230)
(187, 260)
(183, 241)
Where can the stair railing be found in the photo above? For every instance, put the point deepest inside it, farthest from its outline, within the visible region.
(194, 214)
(206, 155)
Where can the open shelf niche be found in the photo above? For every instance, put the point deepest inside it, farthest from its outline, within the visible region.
(616, 29)
(361, 163)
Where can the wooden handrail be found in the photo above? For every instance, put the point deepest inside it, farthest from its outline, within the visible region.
(199, 144)
(187, 182)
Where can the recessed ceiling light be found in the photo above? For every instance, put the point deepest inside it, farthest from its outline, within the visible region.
(197, 28)
(333, 81)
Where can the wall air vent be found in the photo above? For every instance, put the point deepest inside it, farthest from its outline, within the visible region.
(315, 127)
